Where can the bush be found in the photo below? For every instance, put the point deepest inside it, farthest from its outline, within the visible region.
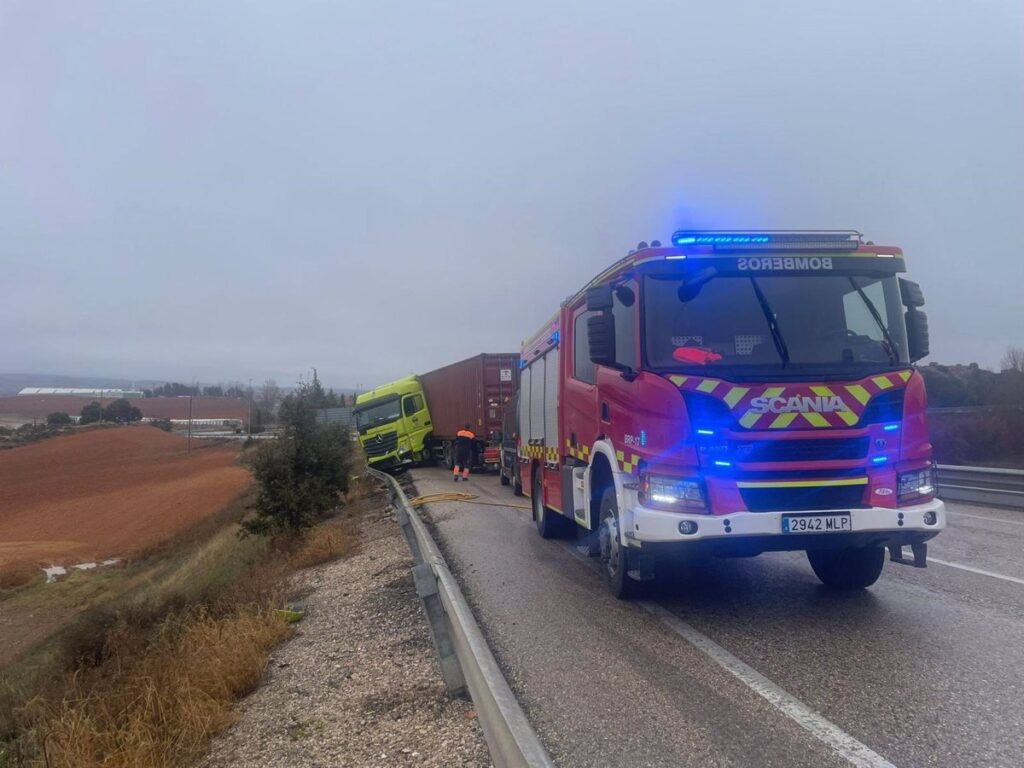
(300, 475)
(122, 412)
(91, 413)
(164, 424)
(58, 419)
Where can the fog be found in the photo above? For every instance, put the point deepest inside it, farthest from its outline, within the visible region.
(225, 190)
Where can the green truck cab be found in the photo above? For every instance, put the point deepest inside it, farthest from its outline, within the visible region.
(394, 423)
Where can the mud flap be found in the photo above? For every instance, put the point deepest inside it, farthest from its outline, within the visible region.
(919, 551)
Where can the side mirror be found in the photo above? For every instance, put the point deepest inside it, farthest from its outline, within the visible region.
(917, 333)
(599, 298)
(910, 294)
(601, 335)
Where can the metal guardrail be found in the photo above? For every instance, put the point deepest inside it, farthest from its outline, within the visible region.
(467, 663)
(982, 485)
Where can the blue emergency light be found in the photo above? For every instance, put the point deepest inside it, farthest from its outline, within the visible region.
(770, 240)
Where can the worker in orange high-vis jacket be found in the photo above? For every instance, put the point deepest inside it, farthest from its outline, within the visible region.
(463, 452)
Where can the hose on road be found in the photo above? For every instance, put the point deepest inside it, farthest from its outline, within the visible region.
(471, 498)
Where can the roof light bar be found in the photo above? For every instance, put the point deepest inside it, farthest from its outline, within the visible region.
(771, 240)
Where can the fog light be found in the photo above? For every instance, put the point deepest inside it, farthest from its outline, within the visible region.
(930, 518)
(687, 527)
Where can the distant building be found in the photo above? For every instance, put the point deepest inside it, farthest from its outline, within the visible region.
(93, 392)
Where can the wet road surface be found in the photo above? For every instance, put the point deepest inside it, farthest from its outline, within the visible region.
(751, 662)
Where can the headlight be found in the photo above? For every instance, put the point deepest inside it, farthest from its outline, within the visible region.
(916, 484)
(679, 494)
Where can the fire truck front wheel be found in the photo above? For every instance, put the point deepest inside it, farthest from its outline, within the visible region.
(847, 568)
(614, 556)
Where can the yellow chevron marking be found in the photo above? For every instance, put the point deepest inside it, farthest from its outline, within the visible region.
(849, 417)
(905, 375)
(677, 380)
(801, 483)
(735, 395)
(708, 385)
(882, 382)
(823, 391)
(861, 394)
(749, 419)
(774, 391)
(620, 456)
(815, 419)
(782, 421)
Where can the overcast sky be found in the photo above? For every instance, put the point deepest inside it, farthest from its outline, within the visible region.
(225, 190)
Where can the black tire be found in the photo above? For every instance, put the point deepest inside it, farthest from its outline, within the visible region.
(614, 559)
(850, 568)
(503, 477)
(449, 455)
(517, 484)
(550, 524)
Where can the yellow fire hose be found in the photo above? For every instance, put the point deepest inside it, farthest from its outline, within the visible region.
(432, 498)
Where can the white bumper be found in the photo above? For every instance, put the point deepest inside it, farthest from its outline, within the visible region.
(642, 524)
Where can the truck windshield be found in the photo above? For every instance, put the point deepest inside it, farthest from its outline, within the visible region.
(377, 412)
(763, 323)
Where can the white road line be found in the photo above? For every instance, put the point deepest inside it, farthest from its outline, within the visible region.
(839, 741)
(1002, 576)
(983, 517)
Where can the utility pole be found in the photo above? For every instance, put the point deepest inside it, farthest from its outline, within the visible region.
(250, 409)
(190, 396)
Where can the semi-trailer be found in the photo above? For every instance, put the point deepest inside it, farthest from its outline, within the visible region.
(417, 418)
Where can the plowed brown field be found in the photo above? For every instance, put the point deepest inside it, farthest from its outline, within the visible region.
(108, 493)
(39, 406)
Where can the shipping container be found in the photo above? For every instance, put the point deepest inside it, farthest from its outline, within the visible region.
(474, 391)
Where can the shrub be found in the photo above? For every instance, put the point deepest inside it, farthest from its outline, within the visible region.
(58, 418)
(122, 412)
(302, 473)
(164, 424)
(91, 413)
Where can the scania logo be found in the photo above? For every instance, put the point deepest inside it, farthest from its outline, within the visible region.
(798, 404)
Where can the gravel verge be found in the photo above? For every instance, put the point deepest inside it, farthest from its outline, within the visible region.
(359, 684)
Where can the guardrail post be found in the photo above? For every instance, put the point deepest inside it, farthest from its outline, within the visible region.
(410, 535)
(426, 587)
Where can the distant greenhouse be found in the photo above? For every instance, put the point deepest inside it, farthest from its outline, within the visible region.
(93, 392)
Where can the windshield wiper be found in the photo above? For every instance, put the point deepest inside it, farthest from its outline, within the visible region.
(890, 348)
(773, 324)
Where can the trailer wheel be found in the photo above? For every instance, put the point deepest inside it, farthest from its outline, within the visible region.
(849, 568)
(550, 524)
(613, 554)
(449, 454)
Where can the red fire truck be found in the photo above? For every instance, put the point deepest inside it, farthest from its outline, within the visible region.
(733, 394)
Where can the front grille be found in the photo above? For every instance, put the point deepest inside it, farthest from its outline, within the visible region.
(799, 450)
(380, 444)
(823, 497)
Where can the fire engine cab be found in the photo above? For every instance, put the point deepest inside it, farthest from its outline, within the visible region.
(732, 394)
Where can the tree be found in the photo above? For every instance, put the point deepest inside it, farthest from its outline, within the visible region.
(235, 389)
(213, 391)
(58, 419)
(301, 475)
(1013, 360)
(122, 412)
(268, 398)
(91, 413)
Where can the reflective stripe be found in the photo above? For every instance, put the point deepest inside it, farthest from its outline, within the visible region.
(801, 483)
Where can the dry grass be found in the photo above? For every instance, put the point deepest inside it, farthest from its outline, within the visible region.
(157, 705)
(18, 575)
(328, 541)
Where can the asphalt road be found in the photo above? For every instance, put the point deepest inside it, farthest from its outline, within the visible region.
(751, 662)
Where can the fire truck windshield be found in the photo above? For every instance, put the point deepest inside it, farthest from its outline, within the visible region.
(759, 323)
(377, 412)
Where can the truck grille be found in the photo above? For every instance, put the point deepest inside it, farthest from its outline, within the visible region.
(799, 450)
(381, 444)
(785, 499)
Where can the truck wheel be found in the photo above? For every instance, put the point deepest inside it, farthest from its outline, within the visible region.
(503, 476)
(449, 455)
(517, 484)
(849, 568)
(612, 553)
(549, 522)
